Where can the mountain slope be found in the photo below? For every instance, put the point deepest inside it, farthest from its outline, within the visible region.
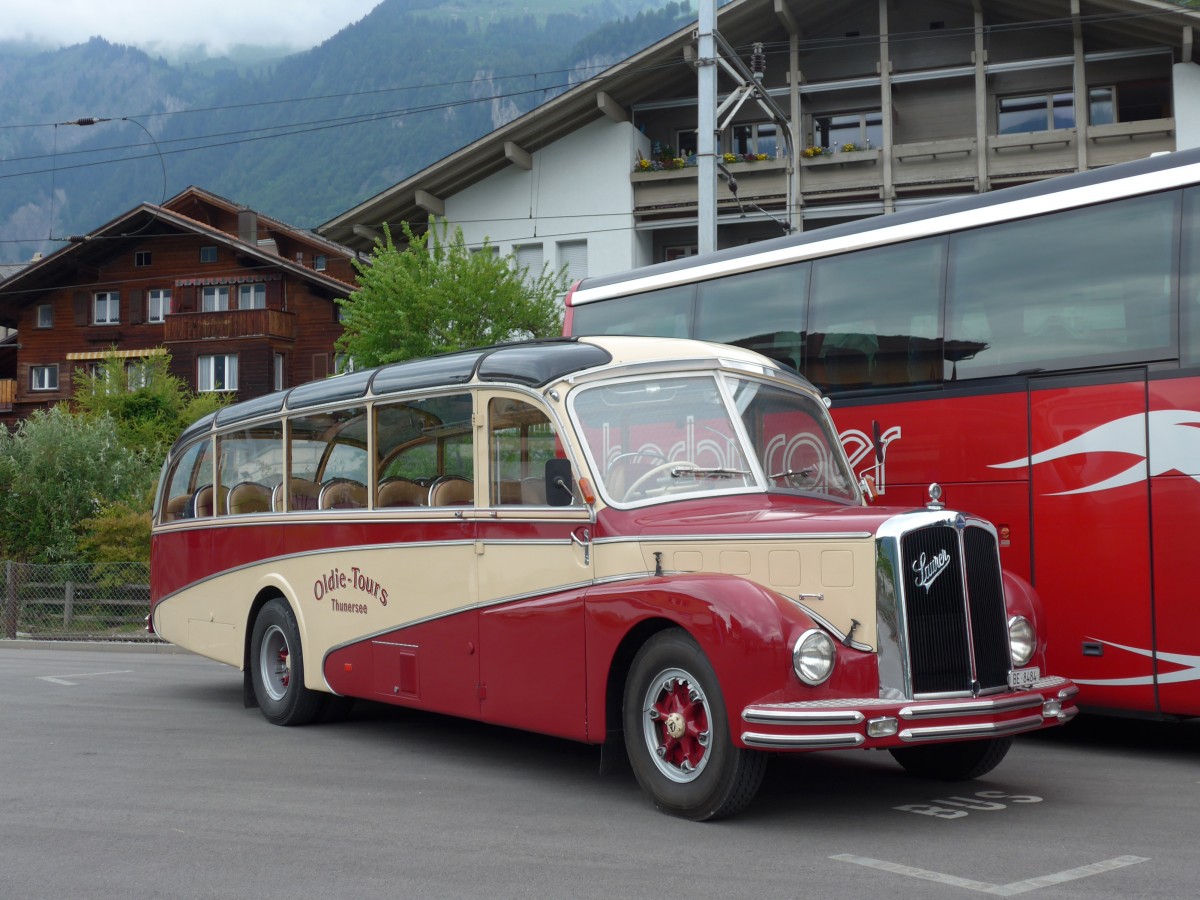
(321, 130)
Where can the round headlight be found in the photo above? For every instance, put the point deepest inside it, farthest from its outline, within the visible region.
(813, 656)
(1022, 640)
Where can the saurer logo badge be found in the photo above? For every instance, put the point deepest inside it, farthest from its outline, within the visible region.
(928, 569)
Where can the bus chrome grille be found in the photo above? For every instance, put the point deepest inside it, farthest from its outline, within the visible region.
(957, 627)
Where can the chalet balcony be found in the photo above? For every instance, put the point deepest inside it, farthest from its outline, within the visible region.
(229, 324)
(674, 190)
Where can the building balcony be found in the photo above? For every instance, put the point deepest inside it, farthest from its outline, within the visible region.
(229, 324)
(675, 189)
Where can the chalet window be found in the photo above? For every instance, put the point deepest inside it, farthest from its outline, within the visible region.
(217, 373)
(208, 254)
(252, 296)
(1130, 102)
(159, 304)
(277, 371)
(43, 378)
(343, 364)
(45, 315)
(137, 375)
(106, 308)
(1036, 112)
(214, 299)
(319, 263)
(142, 258)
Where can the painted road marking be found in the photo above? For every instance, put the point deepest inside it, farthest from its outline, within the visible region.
(62, 679)
(999, 890)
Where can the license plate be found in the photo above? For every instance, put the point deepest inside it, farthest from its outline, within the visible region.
(1019, 678)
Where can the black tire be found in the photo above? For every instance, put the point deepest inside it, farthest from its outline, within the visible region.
(959, 761)
(685, 761)
(277, 668)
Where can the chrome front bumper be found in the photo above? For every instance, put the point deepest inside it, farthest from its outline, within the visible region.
(872, 722)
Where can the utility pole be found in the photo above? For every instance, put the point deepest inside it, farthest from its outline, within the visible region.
(706, 131)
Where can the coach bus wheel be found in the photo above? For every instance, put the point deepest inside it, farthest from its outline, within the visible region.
(677, 733)
(277, 667)
(959, 761)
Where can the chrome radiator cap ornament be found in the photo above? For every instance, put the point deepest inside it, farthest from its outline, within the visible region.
(935, 497)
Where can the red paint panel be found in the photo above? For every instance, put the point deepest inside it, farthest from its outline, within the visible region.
(532, 665)
(1091, 557)
(1175, 510)
(434, 666)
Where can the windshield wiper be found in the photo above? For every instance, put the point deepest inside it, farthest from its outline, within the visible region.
(806, 472)
(696, 472)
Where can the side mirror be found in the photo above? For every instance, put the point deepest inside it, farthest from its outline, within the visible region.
(560, 482)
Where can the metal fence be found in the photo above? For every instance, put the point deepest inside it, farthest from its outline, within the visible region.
(76, 601)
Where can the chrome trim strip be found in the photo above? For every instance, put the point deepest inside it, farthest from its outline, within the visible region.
(782, 714)
(830, 627)
(976, 730)
(710, 538)
(806, 742)
(972, 707)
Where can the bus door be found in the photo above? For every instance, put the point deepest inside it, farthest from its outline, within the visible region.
(1174, 430)
(1089, 495)
(534, 562)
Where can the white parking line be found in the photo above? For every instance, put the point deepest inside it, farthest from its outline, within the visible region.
(62, 679)
(999, 890)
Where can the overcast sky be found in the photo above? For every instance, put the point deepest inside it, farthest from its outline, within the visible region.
(218, 24)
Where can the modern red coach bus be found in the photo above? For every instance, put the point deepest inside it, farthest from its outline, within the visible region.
(1036, 351)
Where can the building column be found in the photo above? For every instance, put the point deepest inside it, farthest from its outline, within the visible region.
(888, 191)
(1079, 87)
(981, 102)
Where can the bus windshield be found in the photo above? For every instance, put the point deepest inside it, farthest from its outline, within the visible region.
(664, 438)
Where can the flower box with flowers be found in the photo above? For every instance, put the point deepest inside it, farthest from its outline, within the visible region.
(842, 155)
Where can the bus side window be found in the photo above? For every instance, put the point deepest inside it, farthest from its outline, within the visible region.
(521, 440)
(189, 470)
(326, 449)
(762, 311)
(419, 441)
(250, 464)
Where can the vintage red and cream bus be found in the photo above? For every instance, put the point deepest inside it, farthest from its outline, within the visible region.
(1036, 350)
(659, 542)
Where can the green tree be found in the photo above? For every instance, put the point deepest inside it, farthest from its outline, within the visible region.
(58, 469)
(149, 405)
(438, 296)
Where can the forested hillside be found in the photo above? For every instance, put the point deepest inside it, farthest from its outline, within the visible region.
(301, 139)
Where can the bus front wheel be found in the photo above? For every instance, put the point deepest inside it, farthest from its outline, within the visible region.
(277, 667)
(677, 733)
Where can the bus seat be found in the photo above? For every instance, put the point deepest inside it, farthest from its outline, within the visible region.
(302, 495)
(451, 490)
(509, 493)
(177, 508)
(248, 497)
(342, 493)
(397, 491)
(202, 504)
(533, 491)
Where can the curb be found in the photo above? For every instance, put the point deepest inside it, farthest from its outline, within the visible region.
(92, 646)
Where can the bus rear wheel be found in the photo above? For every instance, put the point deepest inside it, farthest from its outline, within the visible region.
(677, 733)
(958, 761)
(277, 667)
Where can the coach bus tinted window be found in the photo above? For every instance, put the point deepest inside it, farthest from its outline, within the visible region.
(1052, 292)
(875, 317)
(1189, 294)
(664, 313)
(762, 311)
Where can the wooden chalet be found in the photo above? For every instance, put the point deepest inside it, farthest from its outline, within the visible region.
(243, 303)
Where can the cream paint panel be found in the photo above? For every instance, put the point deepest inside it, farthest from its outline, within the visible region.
(338, 597)
(843, 571)
(522, 569)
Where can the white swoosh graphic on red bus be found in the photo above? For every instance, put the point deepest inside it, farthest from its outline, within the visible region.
(1190, 673)
(1174, 441)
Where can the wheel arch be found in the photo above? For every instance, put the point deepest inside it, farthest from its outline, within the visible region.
(618, 673)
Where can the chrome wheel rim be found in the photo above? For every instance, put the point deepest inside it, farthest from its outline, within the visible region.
(275, 662)
(676, 725)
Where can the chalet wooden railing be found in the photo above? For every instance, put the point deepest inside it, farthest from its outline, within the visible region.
(8, 393)
(229, 325)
